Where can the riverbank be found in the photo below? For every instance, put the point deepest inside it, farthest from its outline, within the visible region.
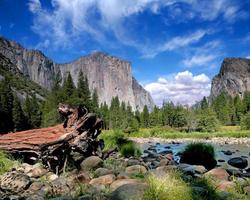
(214, 140)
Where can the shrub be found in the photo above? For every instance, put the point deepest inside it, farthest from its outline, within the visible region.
(5, 163)
(245, 122)
(199, 154)
(129, 149)
(169, 187)
(207, 122)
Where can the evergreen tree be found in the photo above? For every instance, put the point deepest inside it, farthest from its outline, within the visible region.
(104, 113)
(115, 114)
(83, 91)
(204, 103)
(246, 102)
(95, 104)
(6, 105)
(239, 109)
(68, 88)
(18, 115)
(32, 111)
(145, 117)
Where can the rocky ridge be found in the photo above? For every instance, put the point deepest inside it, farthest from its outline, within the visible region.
(110, 75)
(233, 78)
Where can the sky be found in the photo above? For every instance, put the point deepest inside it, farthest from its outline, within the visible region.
(175, 47)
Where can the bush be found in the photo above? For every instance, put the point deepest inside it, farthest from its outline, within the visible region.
(5, 163)
(129, 149)
(199, 154)
(245, 122)
(169, 187)
(207, 122)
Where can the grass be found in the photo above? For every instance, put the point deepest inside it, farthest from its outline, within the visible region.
(199, 154)
(169, 133)
(130, 149)
(117, 139)
(6, 163)
(169, 187)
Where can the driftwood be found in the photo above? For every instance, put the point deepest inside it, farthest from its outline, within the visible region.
(71, 141)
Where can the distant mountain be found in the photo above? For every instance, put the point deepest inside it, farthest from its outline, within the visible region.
(233, 78)
(110, 75)
(21, 84)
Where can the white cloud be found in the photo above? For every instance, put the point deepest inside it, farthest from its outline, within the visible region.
(248, 57)
(185, 88)
(198, 60)
(176, 43)
(68, 22)
(203, 55)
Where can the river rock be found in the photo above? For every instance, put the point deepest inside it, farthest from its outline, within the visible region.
(60, 187)
(164, 162)
(218, 173)
(238, 162)
(103, 180)
(128, 192)
(91, 162)
(225, 186)
(131, 162)
(247, 190)
(228, 152)
(83, 178)
(37, 172)
(135, 169)
(123, 175)
(102, 171)
(15, 182)
(121, 182)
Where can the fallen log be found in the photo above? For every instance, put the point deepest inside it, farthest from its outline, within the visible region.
(72, 141)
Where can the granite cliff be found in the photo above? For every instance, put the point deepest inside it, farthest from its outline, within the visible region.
(110, 75)
(233, 78)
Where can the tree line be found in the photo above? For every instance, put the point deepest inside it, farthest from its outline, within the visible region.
(33, 113)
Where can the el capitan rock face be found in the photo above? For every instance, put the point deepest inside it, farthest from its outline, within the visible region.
(233, 78)
(111, 76)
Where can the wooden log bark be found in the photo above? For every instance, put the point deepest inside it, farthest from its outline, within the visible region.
(71, 141)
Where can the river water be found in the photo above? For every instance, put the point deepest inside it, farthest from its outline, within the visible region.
(238, 150)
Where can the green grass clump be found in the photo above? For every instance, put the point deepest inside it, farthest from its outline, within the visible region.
(129, 149)
(169, 187)
(199, 154)
(5, 163)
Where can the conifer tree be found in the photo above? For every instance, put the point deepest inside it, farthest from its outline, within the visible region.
(83, 91)
(95, 104)
(145, 117)
(6, 105)
(18, 116)
(68, 88)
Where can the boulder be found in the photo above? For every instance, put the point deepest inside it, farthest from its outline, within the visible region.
(194, 169)
(129, 191)
(135, 169)
(123, 175)
(164, 162)
(60, 187)
(225, 186)
(14, 182)
(92, 162)
(131, 162)
(247, 190)
(238, 162)
(83, 178)
(218, 173)
(121, 182)
(103, 180)
(102, 171)
(37, 172)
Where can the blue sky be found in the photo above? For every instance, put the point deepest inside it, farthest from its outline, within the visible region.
(175, 46)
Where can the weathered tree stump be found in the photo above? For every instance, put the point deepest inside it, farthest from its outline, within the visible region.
(71, 141)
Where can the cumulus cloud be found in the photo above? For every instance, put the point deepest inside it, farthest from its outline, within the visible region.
(184, 88)
(65, 22)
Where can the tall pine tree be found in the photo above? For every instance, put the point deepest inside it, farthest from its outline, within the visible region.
(18, 116)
